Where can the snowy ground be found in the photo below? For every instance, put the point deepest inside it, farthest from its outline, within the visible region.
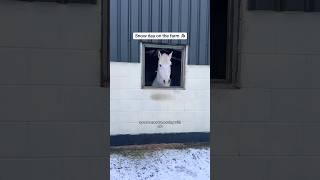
(161, 164)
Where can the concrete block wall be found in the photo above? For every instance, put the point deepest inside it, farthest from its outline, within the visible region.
(268, 129)
(129, 104)
(52, 111)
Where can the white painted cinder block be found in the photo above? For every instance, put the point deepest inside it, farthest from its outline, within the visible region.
(134, 110)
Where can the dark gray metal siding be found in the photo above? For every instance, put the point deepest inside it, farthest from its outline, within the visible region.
(53, 113)
(128, 16)
(284, 5)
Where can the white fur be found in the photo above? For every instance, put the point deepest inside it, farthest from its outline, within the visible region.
(164, 71)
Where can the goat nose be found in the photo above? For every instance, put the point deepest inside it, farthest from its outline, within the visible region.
(164, 81)
(169, 81)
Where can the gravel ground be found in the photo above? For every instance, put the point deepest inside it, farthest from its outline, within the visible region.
(160, 164)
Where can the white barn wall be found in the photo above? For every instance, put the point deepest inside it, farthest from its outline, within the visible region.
(129, 103)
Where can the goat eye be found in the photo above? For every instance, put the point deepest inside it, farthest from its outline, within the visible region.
(160, 65)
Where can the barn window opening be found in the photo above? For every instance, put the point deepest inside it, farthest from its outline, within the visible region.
(225, 66)
(163, 66)
(220, 19)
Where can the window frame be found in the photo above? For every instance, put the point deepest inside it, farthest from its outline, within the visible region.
(184, 60)
(105, 45)
(232, 53)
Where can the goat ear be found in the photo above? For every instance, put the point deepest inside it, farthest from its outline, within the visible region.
(170, 55)
(159, 54)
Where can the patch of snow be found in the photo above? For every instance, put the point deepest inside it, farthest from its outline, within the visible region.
(166, 164)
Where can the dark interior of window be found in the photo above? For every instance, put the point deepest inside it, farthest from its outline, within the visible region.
(151, 64)
(219, 26)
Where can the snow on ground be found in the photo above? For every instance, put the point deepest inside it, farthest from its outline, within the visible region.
(162, 164)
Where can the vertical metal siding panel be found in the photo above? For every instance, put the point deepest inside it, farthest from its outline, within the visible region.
(316, 5)
(284, 5)
(118, 30)
(113, 31)
(175, 11)
(150, 18)
(134, 28)
(193, 58)
(145, 16)
(180, 14)
(198, 32)
(293, 5)
(184, 21)
(309, 5)
(140, 15)
(251, 4)
(165, 17)
(124, 31)
(262, 4)
(209, 38)
(160, 21)
(203, 36)
(156, 18)
(171, 14)
(129, 30)
(140, 26)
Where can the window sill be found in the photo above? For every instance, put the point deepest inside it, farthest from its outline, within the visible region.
(163, 88)
(223, 84)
